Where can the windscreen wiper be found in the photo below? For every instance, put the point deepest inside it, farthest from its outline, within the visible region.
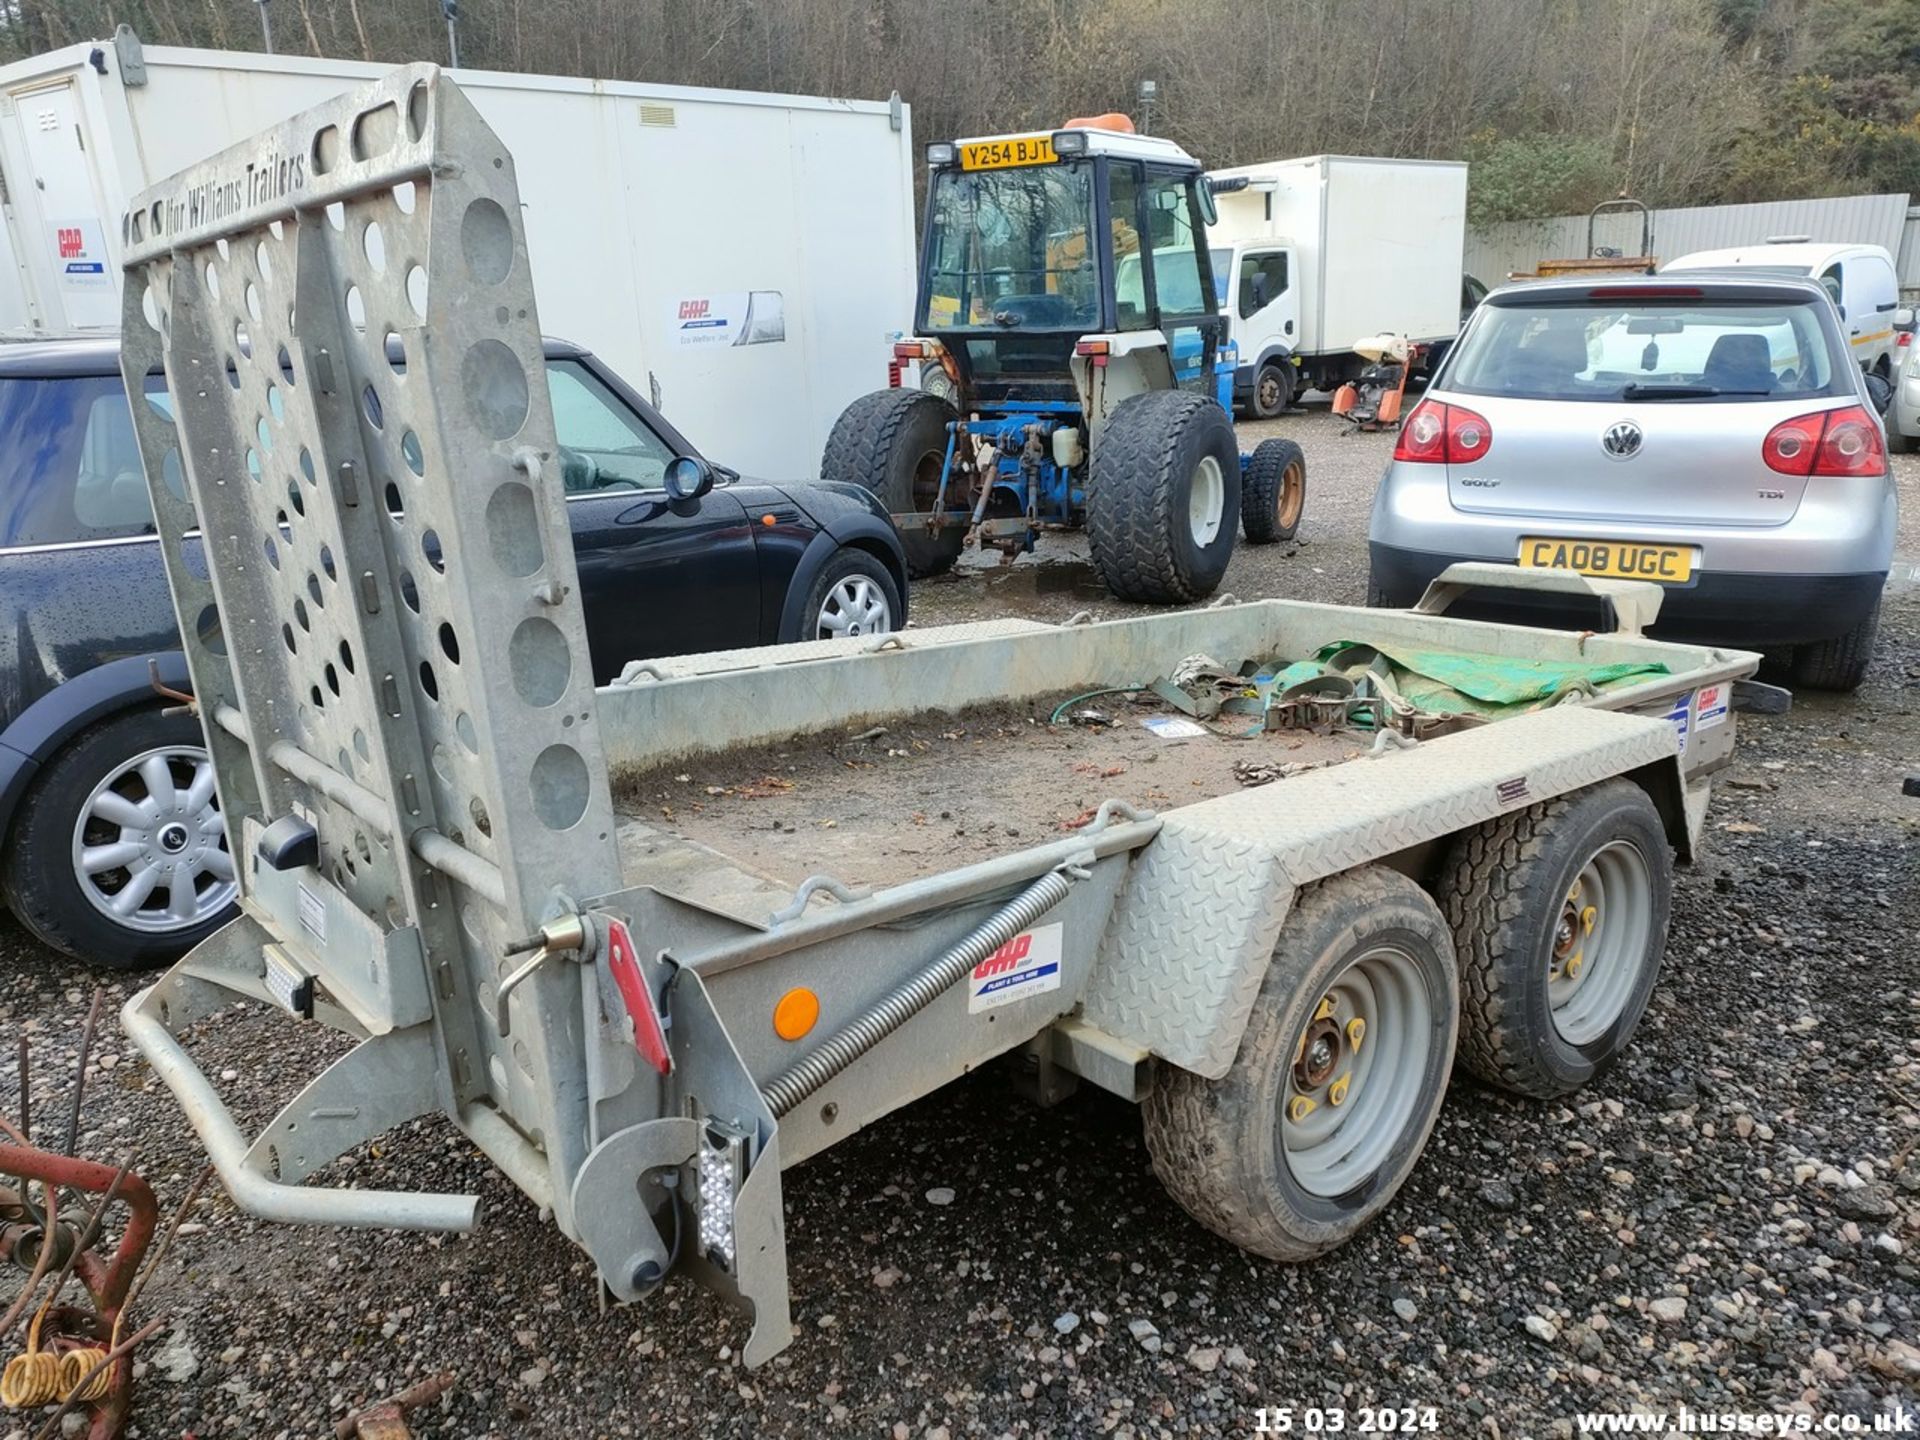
(1634, 390)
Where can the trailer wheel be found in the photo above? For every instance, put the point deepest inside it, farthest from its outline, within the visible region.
(894, 442)
(1338, 1080)
(1273, 492)
(1165, 497)
(1559, 915)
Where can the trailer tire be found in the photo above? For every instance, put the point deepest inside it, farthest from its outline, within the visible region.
(1840, 663)
(1225, 1149)
(1513, 891)
(1165, 498)
(1273, 492)
(894, 443)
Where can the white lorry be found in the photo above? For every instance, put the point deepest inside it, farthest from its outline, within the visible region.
(739, 254)
(1312, 255)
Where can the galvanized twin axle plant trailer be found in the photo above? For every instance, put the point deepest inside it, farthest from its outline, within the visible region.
(387, 649)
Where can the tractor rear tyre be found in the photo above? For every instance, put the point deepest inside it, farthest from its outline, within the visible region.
(1273, 492)
(894, 443)
(1165, 498)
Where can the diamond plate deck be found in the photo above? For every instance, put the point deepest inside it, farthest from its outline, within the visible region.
(1193, 930)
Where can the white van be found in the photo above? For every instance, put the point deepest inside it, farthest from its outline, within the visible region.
(1860, 278)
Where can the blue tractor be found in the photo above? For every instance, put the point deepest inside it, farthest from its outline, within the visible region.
(1073, 370)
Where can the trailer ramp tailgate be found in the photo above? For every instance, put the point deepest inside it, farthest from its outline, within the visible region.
(1201, 912)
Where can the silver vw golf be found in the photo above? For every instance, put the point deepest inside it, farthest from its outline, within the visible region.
(1708, 432)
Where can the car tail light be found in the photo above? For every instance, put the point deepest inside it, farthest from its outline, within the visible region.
(1423, 439)
(1468, 436)
(1829, 442)
(1437, 434)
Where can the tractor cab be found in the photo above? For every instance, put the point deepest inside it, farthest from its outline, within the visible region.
(1034, 243)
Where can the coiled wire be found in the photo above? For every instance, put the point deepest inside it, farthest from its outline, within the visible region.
(914, 994)
(33, 1379)
(77, 1365)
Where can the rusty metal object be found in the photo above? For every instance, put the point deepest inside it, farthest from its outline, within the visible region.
(183, 702)
(88, 1329)
(388, 1419)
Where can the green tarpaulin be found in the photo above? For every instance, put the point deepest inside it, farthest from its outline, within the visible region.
(1453, 682)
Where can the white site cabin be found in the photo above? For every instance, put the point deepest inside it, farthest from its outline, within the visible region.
(745, 259)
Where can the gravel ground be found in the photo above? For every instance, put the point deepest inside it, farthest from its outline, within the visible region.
(1728, 1220)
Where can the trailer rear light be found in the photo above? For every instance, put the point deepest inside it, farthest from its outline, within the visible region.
(722, 1169)
(1437, 434)
(1828, 442)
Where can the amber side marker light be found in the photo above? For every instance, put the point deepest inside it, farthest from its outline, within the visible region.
(796, 1013)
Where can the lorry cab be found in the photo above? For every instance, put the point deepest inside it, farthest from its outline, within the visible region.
(1860, 279)
(1253, 282)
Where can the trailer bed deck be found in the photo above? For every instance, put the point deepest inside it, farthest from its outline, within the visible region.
(937, 789)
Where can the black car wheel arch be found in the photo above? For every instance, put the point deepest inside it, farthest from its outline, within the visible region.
(795, 621)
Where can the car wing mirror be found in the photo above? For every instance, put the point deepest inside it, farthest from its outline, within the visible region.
(688, 477)
(1880, 391)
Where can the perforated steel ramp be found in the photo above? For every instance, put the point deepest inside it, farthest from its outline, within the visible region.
(387, 642)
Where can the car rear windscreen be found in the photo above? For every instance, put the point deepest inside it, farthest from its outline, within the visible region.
(70, 464)
(1651, 349)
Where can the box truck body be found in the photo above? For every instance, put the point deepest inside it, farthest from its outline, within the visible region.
(1311, 255)
(746, 258)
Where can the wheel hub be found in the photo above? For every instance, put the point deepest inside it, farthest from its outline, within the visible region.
(149, 844)
(1319, 1055)
(1598, 942)
(1565, 934)
(1357, 1072)
(854, 606)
